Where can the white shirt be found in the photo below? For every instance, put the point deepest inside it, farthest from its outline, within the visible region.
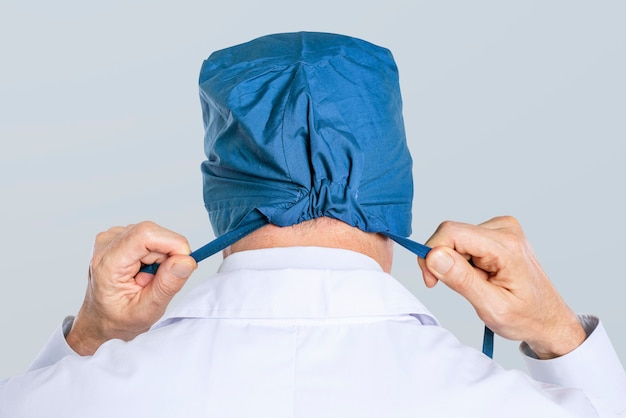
(308, 332)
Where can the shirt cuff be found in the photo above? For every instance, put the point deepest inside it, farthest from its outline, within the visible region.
(593, 366)
(56, 348)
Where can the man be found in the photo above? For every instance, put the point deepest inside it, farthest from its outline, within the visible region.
(308, 183)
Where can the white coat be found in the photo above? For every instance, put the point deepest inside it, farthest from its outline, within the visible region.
(308, 332)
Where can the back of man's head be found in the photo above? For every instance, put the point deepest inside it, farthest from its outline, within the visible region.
(300, 126)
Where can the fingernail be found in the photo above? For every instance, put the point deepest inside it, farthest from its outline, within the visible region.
(440, 262)
(181, 270)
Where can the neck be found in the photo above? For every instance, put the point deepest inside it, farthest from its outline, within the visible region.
(319, 232)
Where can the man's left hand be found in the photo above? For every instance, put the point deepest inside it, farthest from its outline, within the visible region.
(121, 302)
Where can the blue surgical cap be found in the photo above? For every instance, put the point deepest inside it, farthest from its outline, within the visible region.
(300, 126)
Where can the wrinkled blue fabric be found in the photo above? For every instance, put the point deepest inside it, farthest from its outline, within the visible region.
(304, 125)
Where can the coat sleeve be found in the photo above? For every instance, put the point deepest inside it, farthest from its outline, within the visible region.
(56, 348)
(593, 367)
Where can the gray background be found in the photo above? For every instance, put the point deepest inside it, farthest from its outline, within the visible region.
(511, 108)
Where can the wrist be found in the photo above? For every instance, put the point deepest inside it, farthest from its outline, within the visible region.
(561, 340)
(84, 338)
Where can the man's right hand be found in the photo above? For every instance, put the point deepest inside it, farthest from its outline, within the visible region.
(121, 302)
(493, 266)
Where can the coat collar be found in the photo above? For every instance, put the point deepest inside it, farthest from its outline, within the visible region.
(298, 283)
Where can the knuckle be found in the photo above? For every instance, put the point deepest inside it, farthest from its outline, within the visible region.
(145, 228)
(102, 236)
(511, 223)
(446, 226)
(498, 312)
(506, 314)
(145, 225)
(107, 236)
(509, 220)
(514, 242)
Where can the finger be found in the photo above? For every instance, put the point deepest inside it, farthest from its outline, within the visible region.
(154, 257)
(145, 239)
(429, 279)
(105, 237)
(143, 278)
(447, 232)
(170, 278)
(479, 243)
(444, 235)
(502, 222)
(457, 273)
(128, 270)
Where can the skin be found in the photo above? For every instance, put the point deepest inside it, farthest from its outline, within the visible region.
(491, 265)
(319, 232)
(120, 302)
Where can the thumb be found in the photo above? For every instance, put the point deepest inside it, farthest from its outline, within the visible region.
(457, 273)
(171, 277)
